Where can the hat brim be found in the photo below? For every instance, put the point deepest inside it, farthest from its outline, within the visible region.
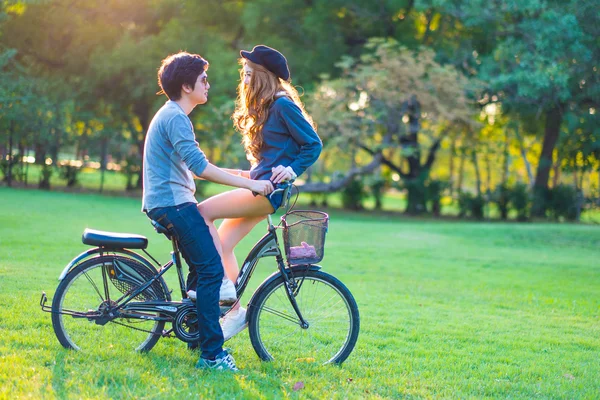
(247, 55)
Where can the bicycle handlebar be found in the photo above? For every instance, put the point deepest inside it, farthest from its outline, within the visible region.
(287, 192)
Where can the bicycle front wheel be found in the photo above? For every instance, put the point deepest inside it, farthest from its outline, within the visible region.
(79, 306)
(325, 303)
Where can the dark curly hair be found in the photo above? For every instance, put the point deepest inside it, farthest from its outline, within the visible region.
(178, 70)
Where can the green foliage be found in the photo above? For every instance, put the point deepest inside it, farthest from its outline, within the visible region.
(434, 190)
(353, 194)
(79, 78)
(69, 173)
(471, 205)
(500, 196)
(377, 184)
(519, 198)
(45, 175)
(130, 169)
(416, 194)
(564, 201)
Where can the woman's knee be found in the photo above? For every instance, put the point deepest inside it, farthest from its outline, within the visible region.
(228, 248)
(205, 212)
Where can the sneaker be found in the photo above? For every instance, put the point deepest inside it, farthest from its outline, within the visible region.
(227, 293)
(233, 323)
(223, 362)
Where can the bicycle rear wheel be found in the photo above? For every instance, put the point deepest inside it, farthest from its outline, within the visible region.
(325, 303)
(92, 287)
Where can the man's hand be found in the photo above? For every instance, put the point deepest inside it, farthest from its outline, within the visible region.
(281, 174)
(261, 187)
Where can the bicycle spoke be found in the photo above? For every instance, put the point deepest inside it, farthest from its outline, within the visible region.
(323, 307)
(85, 322)
(282, 315)
(94, 286)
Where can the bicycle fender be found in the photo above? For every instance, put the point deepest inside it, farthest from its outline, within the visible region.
(277, 274)
(97, 250)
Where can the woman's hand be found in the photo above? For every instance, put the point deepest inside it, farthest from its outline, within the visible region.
(261, 187)
(281, 174)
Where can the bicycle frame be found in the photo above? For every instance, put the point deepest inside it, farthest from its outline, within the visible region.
(267, 246)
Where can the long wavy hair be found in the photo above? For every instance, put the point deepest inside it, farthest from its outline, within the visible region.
(253, 103)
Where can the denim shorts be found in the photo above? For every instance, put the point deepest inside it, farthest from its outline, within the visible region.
(276, 199)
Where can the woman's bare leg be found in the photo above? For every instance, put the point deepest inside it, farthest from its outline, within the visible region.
(231, 232)
(241, 211)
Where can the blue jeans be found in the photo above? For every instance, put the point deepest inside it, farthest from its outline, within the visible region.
(186, 224)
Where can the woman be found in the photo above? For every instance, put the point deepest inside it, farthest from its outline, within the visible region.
(280, 142)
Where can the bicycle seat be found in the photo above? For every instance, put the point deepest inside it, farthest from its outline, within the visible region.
(113, 240)
(160, 229)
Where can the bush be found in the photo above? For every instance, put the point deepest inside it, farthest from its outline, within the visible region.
(564, 201)
(500, 196)
(377, 186)
(433, 193)
(416, 195)
(45, 175)
(518, 197)
(319, 199)
(470, 205)
(201, 186)
(354, 194)
(69, 173)
(131, 168)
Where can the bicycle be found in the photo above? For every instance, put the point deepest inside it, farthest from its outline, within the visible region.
(299, 312)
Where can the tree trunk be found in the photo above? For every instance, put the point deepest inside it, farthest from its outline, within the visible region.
(415, 180)
(488, 173)
(524, 155)
(103, 154)
(477, 174)
(142, 112)
(506, 163)
(21, 162)
(552, 131)
(337, 184)
(27, 170)
(556, 177)
(40, 154)
(598, 199)
(451, 168)
(10, 156)
(461, 170)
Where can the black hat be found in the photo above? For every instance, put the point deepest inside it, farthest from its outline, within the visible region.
(269, 58)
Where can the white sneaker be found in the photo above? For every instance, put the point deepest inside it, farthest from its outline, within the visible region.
(227, 293)
(233, 323)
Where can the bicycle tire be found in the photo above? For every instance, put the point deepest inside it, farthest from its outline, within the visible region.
(83, 290)
(273, 336)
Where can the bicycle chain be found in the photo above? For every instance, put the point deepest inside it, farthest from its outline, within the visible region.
(141, 330)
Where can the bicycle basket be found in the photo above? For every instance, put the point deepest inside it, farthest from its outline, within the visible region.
(304, 236)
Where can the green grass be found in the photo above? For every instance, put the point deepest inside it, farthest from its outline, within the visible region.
(448, 310)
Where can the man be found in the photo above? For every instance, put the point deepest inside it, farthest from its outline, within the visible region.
(172, 158)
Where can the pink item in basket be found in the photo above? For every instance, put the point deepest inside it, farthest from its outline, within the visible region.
(304, 251)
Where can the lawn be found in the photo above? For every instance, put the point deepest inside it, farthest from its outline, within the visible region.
(448, 310)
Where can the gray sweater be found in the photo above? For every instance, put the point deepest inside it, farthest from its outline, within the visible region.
(172, 157)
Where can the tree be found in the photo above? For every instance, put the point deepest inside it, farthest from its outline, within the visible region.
(541, 63)
(389, 105)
